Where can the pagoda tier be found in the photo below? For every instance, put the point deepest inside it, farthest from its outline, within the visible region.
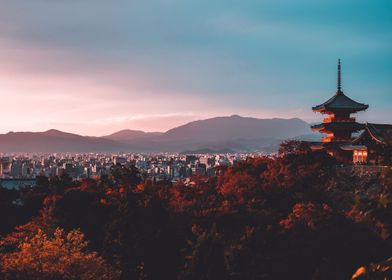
(339, 125)
(340, 105)
(338, 131)
(335, 126)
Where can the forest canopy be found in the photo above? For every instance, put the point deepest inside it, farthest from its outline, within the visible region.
(292, 216)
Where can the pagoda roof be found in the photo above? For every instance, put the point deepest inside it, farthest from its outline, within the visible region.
(340, 102)
(353, 147)
(351, 126)
(380, 133)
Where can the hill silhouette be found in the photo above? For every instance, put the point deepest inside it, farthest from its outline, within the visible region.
(234, 133)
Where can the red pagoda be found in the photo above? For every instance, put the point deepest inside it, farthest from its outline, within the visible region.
(338, 125)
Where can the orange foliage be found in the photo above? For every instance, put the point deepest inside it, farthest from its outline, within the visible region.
(307, 214)
(61, 256)
(240, 187)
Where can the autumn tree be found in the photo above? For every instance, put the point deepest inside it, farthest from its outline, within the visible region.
(207, 259)
(62, 256)
(293, 147)
(141, 239)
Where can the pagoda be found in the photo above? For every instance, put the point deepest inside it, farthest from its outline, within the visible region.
(338, 125)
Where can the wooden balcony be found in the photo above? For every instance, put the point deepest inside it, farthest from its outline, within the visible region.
(328, 139)
(338, 120)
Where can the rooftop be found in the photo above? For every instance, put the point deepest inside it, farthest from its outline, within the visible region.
(340, 102)
(381, 133)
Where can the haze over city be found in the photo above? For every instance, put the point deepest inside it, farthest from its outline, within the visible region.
(95, 67)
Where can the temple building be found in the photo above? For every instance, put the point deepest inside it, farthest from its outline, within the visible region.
(377, 138)
(374, 142)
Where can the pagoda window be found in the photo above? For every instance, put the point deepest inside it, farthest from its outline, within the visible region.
(360, 156)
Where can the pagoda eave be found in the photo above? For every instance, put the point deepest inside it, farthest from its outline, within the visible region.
(330, 111)
(316, 128)
(344, 126)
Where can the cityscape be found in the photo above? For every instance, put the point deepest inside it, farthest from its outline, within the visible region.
(172, 167)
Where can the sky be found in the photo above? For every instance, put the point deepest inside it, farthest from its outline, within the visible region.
(94, 67)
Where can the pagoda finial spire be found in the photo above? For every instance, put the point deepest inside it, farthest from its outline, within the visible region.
(339, 77)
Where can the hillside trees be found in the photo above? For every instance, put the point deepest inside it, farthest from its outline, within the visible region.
(61, 255)
(293, 216)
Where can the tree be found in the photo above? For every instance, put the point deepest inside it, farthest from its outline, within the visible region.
(141, 239)
(240, 189)
(293, 147)
(77, 208)
(207, 260)
(59, 256)
(126, 176)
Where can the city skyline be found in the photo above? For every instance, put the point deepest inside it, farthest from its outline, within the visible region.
(93, 67)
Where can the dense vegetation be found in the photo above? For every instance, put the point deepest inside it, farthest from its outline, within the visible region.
(294, 216)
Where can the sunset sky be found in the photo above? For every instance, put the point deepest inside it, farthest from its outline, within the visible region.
(96, 66)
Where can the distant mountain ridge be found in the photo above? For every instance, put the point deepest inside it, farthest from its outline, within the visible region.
(55, 141)
(233, 133)
(224, 128)
(129, 134)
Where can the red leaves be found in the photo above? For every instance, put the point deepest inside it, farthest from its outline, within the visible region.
(308, 215)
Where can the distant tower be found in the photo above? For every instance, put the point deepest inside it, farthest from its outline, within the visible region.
(338, 125)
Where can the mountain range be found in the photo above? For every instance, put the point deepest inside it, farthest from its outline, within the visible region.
(220, 134)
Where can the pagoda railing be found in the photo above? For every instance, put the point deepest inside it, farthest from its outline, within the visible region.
(328, 139)
(336, 119)
(364, 169)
